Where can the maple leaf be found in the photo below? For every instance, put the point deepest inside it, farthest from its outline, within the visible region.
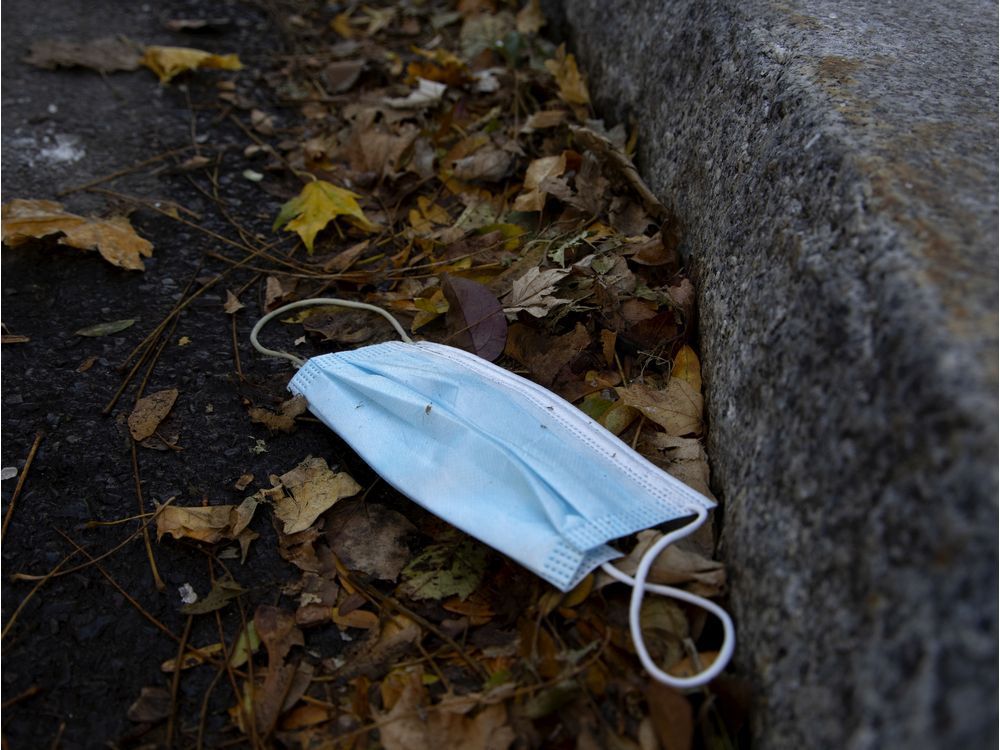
(571, 86)
(534, 292)
(113, 238)
(168, 62)
(317, 205)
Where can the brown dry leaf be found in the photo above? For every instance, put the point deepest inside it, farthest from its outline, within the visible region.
(619, 163)
(675, 566)
(687, 368)
(341, 326)
(104, 55)
(532, 197)
(544, 119)
(672, 716)
(370, 538)
(113, 238)
(530, 18)
(475, 317)
(168, 62)
(414, 725)
(209, 523)
(284, 419)
(152, 705)
(278, 632)
(572, 88)
(314, 489)
(149, 411)
(650, 251)
(341, 75)
(232, 304)
(489, 164)
(545, 356)
(682, 458)
(676, 408)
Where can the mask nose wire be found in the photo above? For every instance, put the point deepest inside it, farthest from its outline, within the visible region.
(332, 301)
(639, 589)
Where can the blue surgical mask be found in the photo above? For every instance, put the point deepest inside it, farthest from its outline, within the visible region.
(504, 460)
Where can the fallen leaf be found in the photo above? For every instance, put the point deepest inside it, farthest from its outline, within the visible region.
(314, 489)
(687, 368)
(232, 304)
(675, 566)
(341, 75)
(223, 591)
(452, 568)
(475, 318)
(317, 205)
(243, 482)
(341, 326)
(104, 55)
(412, 724)
(106, 329)
(532, 197)
(489, 164)
(278, 631)
(284, 419)
(572, 89)
(672, 716)
(534, 292)
(530, 18)
(370, 538)
(113, 238)
(676, 408)
(682, 458)
(545, 356)
(209, 523)
(149, 411)
(15, 338)
(426, 94)
(543, 120)
(152, 705)
(168, 62)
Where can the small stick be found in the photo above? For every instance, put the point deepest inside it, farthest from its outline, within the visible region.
(131, 600)
(200, 743)
(123, 172)
(32, 691)
(176, 681)
(34, 590)
(236, 350)
(20, 483)
(57, 740)
(160, 585)
(54, 572)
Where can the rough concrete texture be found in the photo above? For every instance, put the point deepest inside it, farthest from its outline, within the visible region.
(835, 167)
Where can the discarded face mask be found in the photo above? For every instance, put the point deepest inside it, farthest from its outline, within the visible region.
(504, 460)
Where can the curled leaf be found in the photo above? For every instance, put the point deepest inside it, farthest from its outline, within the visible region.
(168, 62)
(113, 238)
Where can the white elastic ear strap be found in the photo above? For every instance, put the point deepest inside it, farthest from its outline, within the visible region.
(332, 301)
(639, 589)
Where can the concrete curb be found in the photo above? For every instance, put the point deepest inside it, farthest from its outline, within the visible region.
(835, 168)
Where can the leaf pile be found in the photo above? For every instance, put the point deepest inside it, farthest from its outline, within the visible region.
(441, 161)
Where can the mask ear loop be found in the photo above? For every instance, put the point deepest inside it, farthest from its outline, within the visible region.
(332, 301)
(639, 589)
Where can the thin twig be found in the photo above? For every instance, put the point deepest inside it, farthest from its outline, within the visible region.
(20, 483)
(131, 600)
(34, 590)
(123, 172)
(160, 585)
(131, 537)
(175, 682)
(32, 691)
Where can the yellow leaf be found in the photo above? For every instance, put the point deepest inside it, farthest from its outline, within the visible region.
(168, 62)
(687, 367)
(572, 89)
(317, 205)
(341, 23)
(113, 238)
(532, 198)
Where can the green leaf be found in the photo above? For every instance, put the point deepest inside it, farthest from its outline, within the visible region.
(452, 568)
(247, 644)
(106, 329)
